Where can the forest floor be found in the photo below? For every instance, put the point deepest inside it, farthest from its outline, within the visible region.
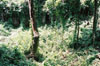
(54, 47)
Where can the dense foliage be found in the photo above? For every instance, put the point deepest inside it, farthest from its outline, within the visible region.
(16, 12)
(54, 48)
(13, 57)
(65, 28)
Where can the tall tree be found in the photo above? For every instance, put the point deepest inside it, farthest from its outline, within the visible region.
(35, 34)
(95, 20)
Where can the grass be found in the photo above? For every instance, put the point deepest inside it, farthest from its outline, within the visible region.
(53, 48)
(3, 31)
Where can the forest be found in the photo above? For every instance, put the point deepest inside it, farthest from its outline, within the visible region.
(49, 32)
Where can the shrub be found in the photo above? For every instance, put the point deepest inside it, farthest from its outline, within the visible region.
(13, 57)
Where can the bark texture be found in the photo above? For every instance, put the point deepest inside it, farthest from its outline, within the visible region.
(35, 34)
(95, 21)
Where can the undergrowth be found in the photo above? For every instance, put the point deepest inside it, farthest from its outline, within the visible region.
(53, 48)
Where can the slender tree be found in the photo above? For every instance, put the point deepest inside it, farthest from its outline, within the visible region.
(95, 20)
(35, 34)
(77, 26)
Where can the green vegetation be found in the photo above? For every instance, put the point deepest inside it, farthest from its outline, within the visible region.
(54, 48)
(69, 33)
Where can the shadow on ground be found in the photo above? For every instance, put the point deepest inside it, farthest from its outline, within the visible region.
(84, 47)
(13, 57)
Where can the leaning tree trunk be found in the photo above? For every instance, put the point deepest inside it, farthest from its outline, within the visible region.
(35, 34)
(95, 21)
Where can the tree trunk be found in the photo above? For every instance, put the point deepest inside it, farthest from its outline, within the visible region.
(95, 21)
(35, 34)
(78, 29)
